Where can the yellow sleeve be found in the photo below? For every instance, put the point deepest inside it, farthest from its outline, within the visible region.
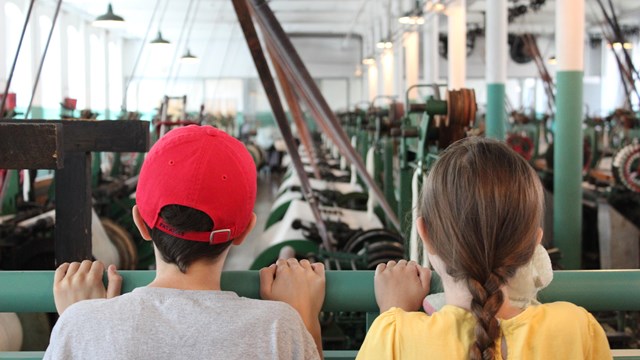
(599, 345)
(381, 341)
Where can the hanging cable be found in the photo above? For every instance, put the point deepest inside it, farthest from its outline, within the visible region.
(195, 14)
(164, 11)
(210, 41)
(211, 38)
(175, 55)
(15, 59)
(224, 61)
(135, 64)
(44, 55)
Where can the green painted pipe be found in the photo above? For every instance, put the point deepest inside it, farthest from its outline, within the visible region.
(567, 169)
(496, 115)
(596, 290)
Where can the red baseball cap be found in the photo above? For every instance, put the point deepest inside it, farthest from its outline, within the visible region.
(203, 168)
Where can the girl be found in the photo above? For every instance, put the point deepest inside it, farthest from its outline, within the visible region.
(480, 216)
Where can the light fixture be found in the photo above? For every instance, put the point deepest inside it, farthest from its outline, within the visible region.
(617, 45)
(413, 17)
(369, 61)
(552, 60)
(189, 58)
(384, 44)
(435, 6)
(627, 45)
(358, 72)
(108, 20)
(159, 40)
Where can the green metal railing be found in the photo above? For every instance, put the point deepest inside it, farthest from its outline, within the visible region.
(595, 290)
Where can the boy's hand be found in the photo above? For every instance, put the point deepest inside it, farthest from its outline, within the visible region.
(82, 281)
(299, 284)
(402, 284)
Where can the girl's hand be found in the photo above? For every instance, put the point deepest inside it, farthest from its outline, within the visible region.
(402, 284)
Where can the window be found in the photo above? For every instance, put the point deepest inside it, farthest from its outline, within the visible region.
(22, 81)
(76, 67)
(50, 79)
(115, 76)
(97, 67)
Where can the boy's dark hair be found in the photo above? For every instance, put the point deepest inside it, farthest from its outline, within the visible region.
(184, 252)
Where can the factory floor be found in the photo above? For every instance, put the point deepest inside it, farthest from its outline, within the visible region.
(241, 257)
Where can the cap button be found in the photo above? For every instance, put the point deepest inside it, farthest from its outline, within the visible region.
(211, 131)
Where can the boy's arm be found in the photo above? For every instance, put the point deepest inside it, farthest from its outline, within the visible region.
(299, 284)
(75, 281)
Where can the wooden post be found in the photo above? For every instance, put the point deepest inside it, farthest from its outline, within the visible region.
(40, 144)
(73, 209)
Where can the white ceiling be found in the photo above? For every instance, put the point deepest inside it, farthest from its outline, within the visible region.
(215, 21)
(315, 16)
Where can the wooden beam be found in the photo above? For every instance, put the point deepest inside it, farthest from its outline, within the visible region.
(25, 145)
(104, 135)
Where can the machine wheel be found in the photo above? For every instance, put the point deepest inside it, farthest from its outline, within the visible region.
(10, 332)
(626, 167)
(123, 242)
(521, 144)
(360, 240)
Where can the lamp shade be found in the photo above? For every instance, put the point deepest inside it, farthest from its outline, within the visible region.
(189, 58)
(413, 17)
(109, 19)
(159, 40)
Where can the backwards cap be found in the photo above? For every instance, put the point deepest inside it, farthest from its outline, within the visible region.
(203, 168)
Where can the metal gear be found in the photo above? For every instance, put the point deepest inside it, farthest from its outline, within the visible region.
(626, 167)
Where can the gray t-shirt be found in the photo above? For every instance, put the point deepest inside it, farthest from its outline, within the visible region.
(160, 323)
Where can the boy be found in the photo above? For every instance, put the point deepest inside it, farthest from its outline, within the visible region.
(195, 198)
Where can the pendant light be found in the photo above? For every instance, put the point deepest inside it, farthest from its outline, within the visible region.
(109, 20)
(384, 43)
(369, 60)
(159, 41)
(413, 17)
(189, 58)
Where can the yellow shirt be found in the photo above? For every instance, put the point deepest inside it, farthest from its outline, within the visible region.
(558, 330)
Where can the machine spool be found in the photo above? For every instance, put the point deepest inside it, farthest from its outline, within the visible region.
(257, 154)
(123, 242)
(461, 113)
(626, 167)
(10, 332)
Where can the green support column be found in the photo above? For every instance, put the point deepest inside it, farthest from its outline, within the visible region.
(567, 179)
(389, 188)
(404, 191)
(496, 114)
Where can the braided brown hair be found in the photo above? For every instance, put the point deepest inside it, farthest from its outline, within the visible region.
(482, 205)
